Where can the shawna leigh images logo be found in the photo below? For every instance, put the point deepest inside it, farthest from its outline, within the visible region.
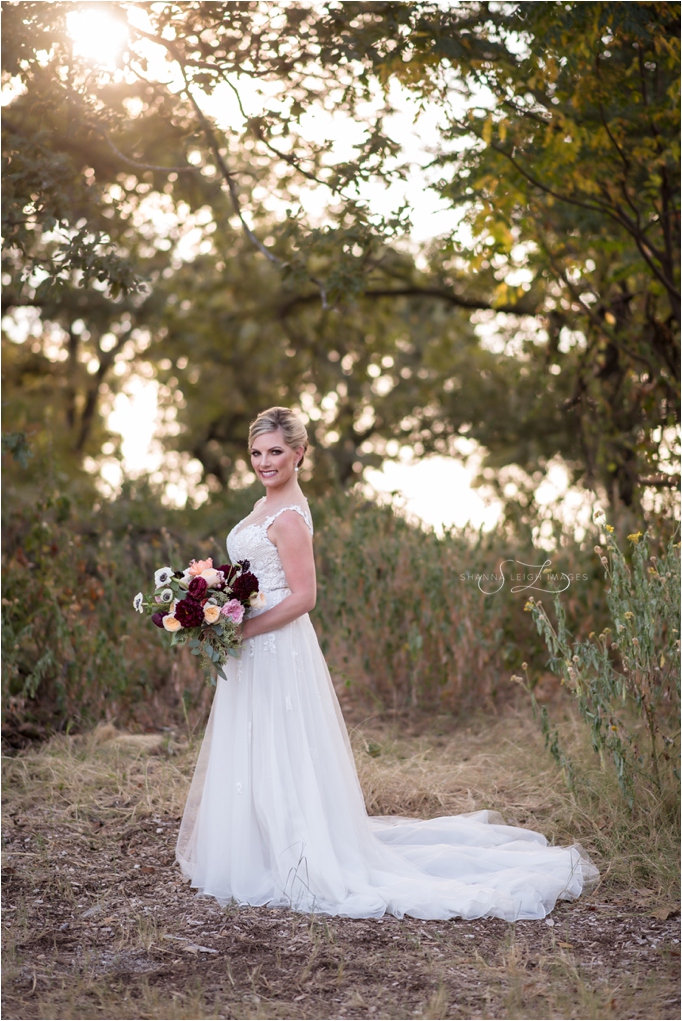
(524, 580)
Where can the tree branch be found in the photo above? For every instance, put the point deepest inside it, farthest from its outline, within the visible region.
(661, 481)
(228, 177)
(291, 160)
(413, 291)
(8, 303)
(600, 326)
(106, 360)
(450, 297)
(137, 164)
(614, 212)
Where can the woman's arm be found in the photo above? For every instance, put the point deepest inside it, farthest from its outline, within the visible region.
(294, 543)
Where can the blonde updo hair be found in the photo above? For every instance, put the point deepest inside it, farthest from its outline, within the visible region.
(293, 430)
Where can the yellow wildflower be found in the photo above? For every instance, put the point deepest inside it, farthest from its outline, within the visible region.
(609, 528)
(635, 537)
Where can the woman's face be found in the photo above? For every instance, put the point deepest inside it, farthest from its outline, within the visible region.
(273, 461)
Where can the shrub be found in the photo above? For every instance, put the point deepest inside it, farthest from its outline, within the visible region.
(399, 612)
(402, 617)
(68, 640)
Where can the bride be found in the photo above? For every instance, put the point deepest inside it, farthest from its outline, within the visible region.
(275, 813)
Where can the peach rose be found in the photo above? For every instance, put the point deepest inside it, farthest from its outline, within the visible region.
(199, 566)
(211, 613)
(171, 623)
(212, 577)
(258, 600)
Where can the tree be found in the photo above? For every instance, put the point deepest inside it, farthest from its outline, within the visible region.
(357, 373)
(563, 162)
(575, 164)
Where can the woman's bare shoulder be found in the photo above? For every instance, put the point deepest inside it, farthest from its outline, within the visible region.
(291, 523)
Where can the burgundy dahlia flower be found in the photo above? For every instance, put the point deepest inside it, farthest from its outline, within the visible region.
(189, 613)
(197, 588)
(244, 586)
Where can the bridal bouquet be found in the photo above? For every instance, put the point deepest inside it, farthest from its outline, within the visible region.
(202, 607)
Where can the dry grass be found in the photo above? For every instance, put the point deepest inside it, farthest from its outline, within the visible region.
(99, 924)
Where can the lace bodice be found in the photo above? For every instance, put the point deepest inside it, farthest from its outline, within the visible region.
(250, 542)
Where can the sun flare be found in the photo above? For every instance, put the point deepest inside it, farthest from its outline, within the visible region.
(97, 36)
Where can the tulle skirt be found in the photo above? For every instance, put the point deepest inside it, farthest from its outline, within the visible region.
(275, 814)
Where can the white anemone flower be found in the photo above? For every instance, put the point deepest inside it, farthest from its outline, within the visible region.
(167, 595)
(138, 601)
(162, 576)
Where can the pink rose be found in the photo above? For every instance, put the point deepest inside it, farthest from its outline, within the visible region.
(197, 566)
(233, 611)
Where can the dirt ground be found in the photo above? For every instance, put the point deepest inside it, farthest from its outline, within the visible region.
(99, 924)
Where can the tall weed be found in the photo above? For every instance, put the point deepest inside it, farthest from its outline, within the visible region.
(625, 680)
(403, 617)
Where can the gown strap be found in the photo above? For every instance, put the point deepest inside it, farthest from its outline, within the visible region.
(295, 507)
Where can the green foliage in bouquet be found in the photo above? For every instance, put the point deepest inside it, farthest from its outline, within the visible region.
(625, 680)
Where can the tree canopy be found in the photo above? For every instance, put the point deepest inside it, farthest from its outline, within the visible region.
(557, 144)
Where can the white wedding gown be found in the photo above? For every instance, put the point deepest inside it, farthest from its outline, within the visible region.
(275, 814)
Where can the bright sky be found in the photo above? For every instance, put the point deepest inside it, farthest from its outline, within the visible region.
(436, 489)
